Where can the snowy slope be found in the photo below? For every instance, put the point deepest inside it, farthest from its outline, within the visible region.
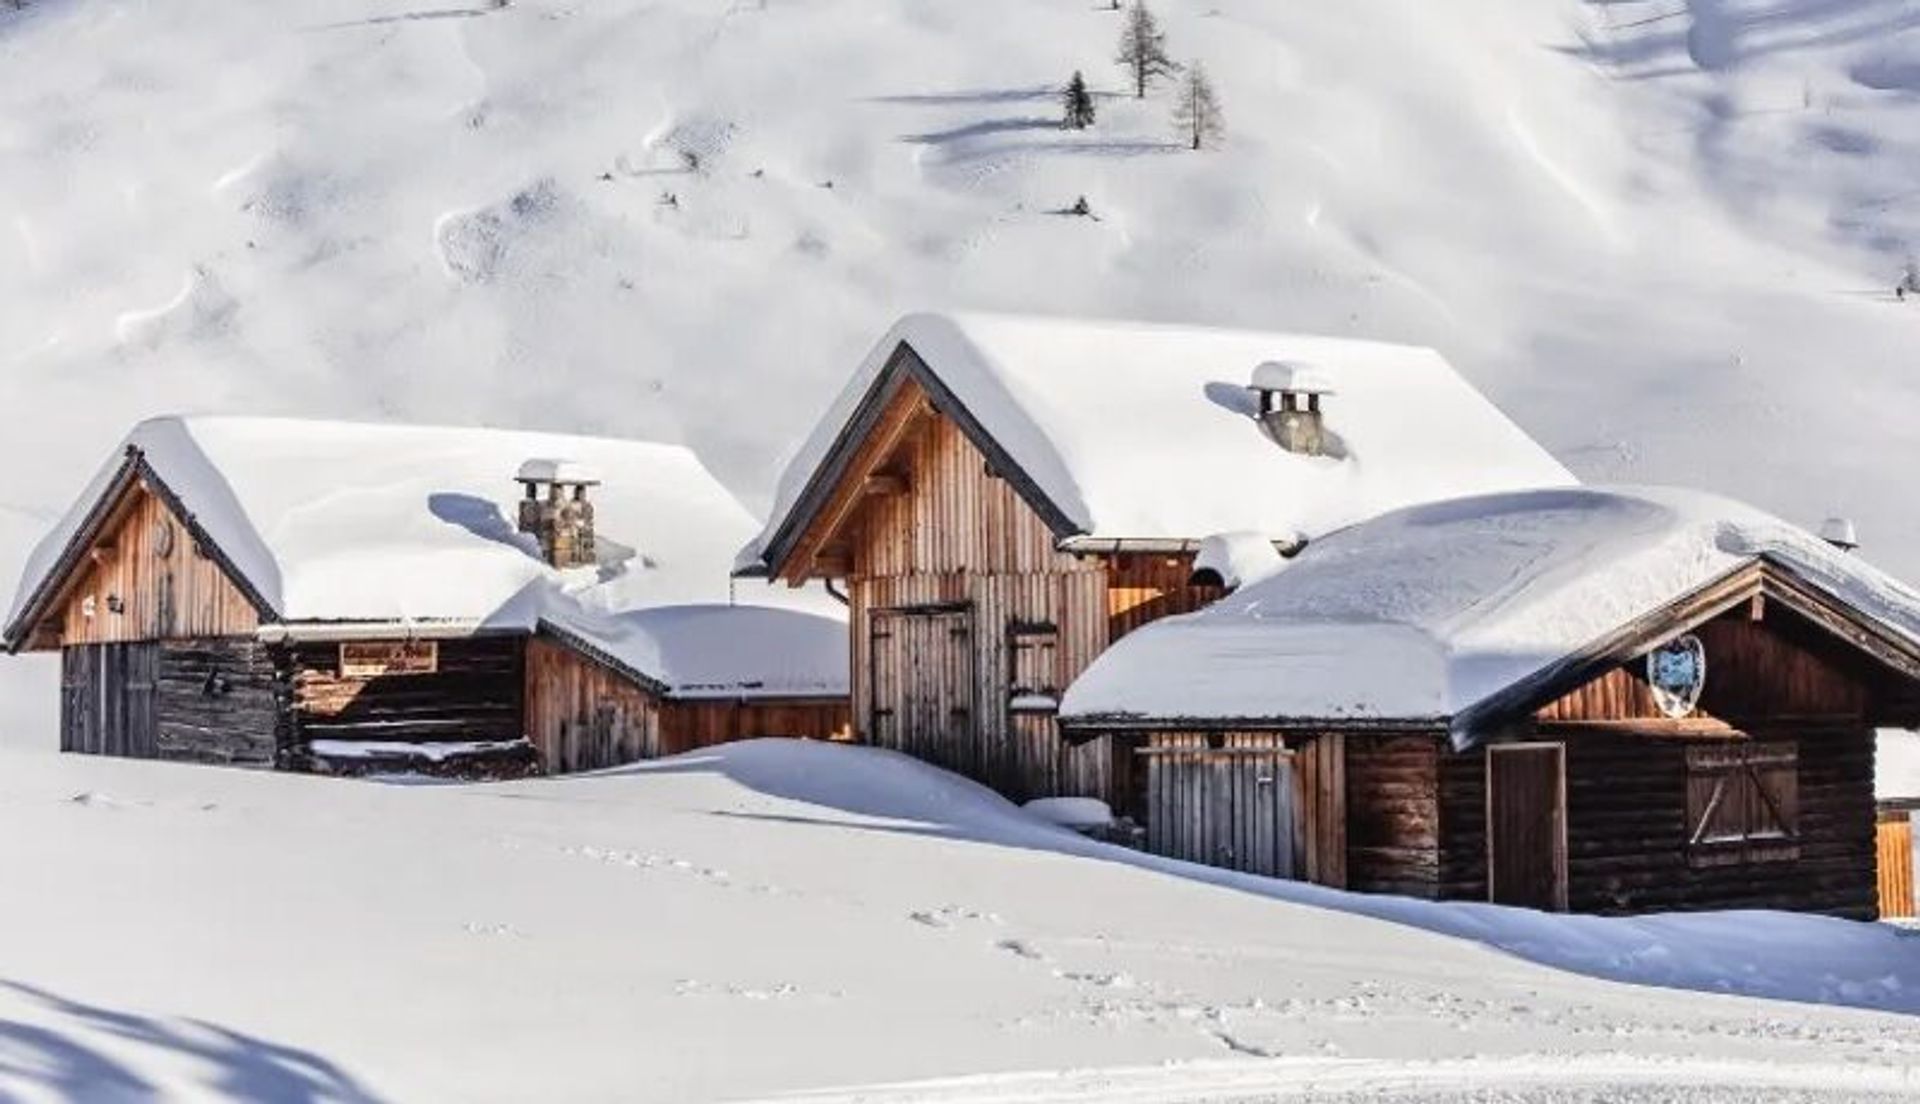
(777, 917)
(1659, 232)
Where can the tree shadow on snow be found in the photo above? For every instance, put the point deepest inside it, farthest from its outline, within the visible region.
(1715, 35)
(1772, 955)
(235, 1066)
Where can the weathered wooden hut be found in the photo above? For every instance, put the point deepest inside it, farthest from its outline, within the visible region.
(1604, 701)
(1005, 497)
(326, 596)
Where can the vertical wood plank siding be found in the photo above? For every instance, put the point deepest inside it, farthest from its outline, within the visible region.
(583, 716)
(1247, 801)
(957, 535)
(179, 594)
(1894, 842)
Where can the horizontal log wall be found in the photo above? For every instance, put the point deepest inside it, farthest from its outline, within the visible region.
(1393, 814)
(147, 565)
(474, 695)
(221, 701)
(1627, 829)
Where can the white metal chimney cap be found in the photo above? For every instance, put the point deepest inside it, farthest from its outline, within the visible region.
(551, 470)
(1839, 532)
(1301, 379)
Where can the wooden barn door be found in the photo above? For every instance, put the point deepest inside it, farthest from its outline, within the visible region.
(1231, 806)
(1527, 825)
(108, 699)
(922, 680)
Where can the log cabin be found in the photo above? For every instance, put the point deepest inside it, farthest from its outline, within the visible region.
(1597, 700)
(330, 597)
(1004, 497)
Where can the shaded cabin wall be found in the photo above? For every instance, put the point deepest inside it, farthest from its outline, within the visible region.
(474, 694)
(1628, 820)
(1009, 620)
(690, 725)
(207, 701)
(146, 563)
(582, 716)
(1393, 813)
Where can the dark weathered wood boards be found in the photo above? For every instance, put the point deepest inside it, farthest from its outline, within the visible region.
(1527, 825)
(1593, 800)
(213, 701)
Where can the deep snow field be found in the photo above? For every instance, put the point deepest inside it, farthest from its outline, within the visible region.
(779, 920)
(1662, 233)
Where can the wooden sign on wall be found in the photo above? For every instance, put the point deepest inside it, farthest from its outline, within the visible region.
(377, 658)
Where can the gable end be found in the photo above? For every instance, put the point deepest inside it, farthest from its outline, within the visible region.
(134, 473)
(903, 367)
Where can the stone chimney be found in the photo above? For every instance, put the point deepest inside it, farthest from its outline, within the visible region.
(556, 511)
(1840, 533)
(1289, 397)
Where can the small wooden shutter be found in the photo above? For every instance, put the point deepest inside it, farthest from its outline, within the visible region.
(1743, 802)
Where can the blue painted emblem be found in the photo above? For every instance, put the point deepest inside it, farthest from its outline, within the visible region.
(1677, 672)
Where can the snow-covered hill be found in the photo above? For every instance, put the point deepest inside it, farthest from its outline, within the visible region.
(779, 917)
(1663, 233)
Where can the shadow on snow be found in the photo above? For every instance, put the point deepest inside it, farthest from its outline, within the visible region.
(59, 1057)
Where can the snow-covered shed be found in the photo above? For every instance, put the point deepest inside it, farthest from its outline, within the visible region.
(1601, 699)
(1005, 496)
(326, 595)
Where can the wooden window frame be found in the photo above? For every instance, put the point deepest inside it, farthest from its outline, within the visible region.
(1782, 844)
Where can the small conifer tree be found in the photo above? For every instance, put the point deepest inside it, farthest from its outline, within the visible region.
(1077, 103)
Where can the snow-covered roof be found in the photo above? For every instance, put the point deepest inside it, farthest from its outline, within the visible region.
(1425, 613)
(1137, 431)
(718, 651)
(331, 522)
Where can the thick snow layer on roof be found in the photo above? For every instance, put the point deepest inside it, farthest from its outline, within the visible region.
(331, 521)
(1146, 431)
(1423, 613)
(716, 651)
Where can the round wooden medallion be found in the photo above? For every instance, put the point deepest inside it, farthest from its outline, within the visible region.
(163, 539)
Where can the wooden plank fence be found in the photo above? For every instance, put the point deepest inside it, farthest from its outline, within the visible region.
(1896, 859)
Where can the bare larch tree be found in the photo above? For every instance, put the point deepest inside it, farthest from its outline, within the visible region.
(1197, 112)
(1143, 49)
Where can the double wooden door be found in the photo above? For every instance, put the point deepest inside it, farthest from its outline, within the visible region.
(921, 679)
(109, 699)
(1232, 806)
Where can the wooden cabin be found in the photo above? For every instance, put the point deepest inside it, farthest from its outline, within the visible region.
(349, 598)
(1003, 498)
(1590, 700)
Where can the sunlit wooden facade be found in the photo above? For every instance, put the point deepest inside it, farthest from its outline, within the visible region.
(971, 609)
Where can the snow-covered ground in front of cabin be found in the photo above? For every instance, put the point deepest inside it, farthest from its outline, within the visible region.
(778, 918)
(1662, 234)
